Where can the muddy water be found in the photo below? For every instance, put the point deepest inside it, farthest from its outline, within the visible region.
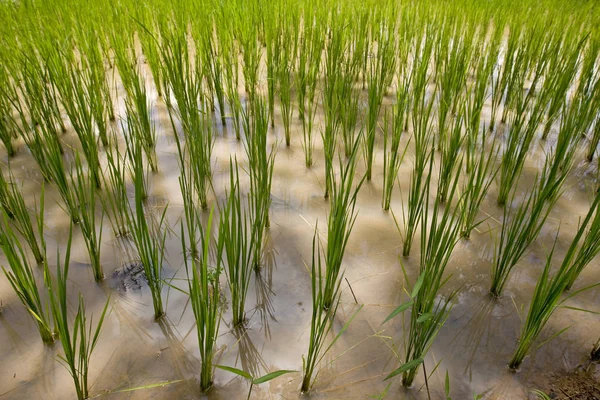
(134, 351)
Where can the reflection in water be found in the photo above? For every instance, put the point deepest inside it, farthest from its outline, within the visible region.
(263, 284)
(249, 356)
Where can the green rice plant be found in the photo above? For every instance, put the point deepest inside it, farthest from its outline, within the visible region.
(381, 71)
(285, 80)
(135, 155)
(229, 53)
(274, 44)
(254, 381)
(340, 221)
(581, 253)
(479, 177)
(76, 89)
(547, 297)
(440, 231)
(78, 338)
(260, 169)
(182, 83)
(22, 279)
(6, 129)
(149, 241)
(85, 194)
(449, 153)
(115, 202)
(204, 292)
(235, 229)
(322, 319)
(137, 105)
(15, 209)
(150, 44)
(394, 156)
(520, 227)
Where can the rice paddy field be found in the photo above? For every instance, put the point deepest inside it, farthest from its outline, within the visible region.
(331, 199)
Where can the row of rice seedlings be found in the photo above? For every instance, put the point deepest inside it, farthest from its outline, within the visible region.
(323, 317)
(84, 192)
(394, 156)
(77, 92)
(340, 221)
(235, 231)
(423, 141)
(548, 294)
(15, 209)
(137, 104)
(381, 72)
(520, 227)
(185, 86)
(479, 177)
(205, 293)
(149, 240)
(440, 231)
(78, 338)
(260, 169)
(23, 281)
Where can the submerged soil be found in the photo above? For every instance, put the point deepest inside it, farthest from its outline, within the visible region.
(474, 345)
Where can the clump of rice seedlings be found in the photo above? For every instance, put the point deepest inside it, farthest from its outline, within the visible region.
(546, 299)
(502, 76)
(115, 202)
(520, 227)
(139, 119)
(440, 231)
(151, 50)
(23, 281)
(6, 129)
(449, 148)
(479, 177)
(520, 136)
(204, 292)
(185, 86)
(562, 67)
(322, 319)
(381, 72)
(76, 89)
(285, 80)
(260, 168)
(581, 253)
(78, 338)
(135, 156)
(341, 219)
(15, 209)
(235, 230)
(247, 35)
(423, 142)
(85, 193)
(209, 51)
(149, 241)
(229, 53)
(394, 156)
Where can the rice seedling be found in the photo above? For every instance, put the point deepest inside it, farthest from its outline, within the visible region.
(260, 170)
(479, 177)
(115, 202)
(340, 221)
(84, 192)
(423, 142)
(149, 241)
(238, 246)
(520, 227)
(440, 231)
(449, 148)
(135, 155)
(6, 130)
(285, 81)
(547, 297)
(78, 338)
(581, 253)
(255, 381)
(394, 156)
(183, 83)
(381, 72)
(204, 292)
(22, 279)
(16, 209)
(139, 119)
(323, 316)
